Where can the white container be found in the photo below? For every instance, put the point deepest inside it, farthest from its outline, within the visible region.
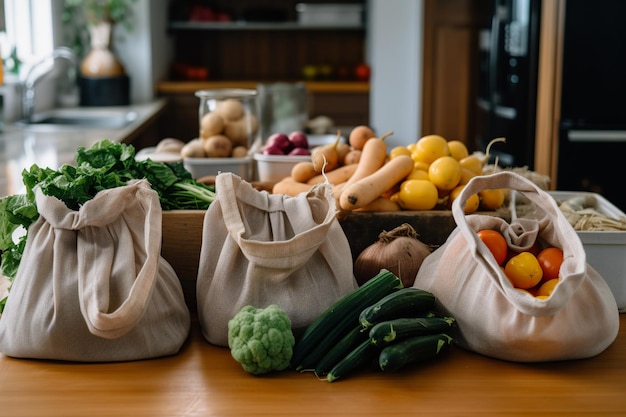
(606, 251)
(332, 14)
(273, 168)
(202, 167)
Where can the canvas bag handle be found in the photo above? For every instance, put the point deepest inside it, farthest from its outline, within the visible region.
(94, 260)
(276, 254)
(573, 268)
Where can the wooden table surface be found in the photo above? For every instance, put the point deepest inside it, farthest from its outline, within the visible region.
(203, 380)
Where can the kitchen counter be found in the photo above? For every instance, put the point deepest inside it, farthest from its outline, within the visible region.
(52, 147)
(204, 380)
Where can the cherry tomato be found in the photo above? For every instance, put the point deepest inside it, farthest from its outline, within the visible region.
(496, 244)
(523, 270)
(550, 260)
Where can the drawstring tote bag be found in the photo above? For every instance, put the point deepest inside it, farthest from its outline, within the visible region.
(260, 249)
(580, 319)
(92, 285)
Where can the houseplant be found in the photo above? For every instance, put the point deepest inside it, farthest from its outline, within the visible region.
(89, 26)
(79, 15)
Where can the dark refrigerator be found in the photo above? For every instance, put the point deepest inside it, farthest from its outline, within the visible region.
(592, 126)
(507, 81)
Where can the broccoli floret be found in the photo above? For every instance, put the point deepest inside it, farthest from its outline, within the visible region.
(261, 339)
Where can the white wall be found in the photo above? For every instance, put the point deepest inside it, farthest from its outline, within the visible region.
(395, 55)
(147, 49)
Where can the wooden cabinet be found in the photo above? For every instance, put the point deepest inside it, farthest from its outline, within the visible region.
(263, 43)
(451, 29)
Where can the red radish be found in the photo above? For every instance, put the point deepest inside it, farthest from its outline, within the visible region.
(300, 151)
(299, 139)
(280, 141)
(273, 150)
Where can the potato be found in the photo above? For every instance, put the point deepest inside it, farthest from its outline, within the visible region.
(217, 146)
(230, 109)
(211, 124)
(239, 130)
(239, 152)
(193, 149)
(170, 145)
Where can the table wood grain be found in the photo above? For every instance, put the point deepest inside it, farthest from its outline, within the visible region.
(203, 380)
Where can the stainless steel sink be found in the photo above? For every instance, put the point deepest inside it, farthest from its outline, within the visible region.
(81, 118)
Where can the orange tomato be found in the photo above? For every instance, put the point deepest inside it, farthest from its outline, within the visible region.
(496, 244)
(523, 270)
(550, 260)
(547, 287)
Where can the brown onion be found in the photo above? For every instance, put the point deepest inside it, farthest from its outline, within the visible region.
(400, 251)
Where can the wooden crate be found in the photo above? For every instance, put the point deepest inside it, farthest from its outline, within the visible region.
(182, 236)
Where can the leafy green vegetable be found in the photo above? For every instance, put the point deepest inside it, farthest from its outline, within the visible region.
(104, 166)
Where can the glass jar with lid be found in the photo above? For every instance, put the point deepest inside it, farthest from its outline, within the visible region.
(230, 113)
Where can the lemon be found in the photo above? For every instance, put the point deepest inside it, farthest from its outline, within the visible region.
(399, 150)
(458, 150)
(445, 173)
(473, 163)
(429, 148)
(417, 195)
(471, 205)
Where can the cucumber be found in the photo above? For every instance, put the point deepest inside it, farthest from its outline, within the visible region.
(341, 317)
(405, 302)
(361, 355)
(389, 331)
(413, 349)
(350, 341)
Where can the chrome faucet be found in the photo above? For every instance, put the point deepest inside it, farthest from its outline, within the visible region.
(34, 74)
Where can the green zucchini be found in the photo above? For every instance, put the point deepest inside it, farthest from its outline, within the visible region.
(341, 317)
(389, 331)
(359, 356)
(413, 349)
(406, 301)
(350, 341)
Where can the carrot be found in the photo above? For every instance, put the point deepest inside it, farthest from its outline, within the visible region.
(373, 157)
(366, 190)
(380, 204)
(290, 187)
(303, 171)
(336, 176)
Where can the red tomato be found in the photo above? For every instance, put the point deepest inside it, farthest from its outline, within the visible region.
(550, 260)
(496, 244)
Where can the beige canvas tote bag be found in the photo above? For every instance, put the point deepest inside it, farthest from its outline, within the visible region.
(260, 248)
(92, 285)
(579, 320)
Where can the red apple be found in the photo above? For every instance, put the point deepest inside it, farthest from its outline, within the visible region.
(299, 139)
(362, 72)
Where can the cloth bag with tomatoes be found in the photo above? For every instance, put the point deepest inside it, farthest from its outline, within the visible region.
(579, 319)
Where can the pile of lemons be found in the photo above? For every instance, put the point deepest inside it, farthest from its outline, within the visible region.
(441, 169)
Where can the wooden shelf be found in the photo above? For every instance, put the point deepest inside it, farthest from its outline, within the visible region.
(321, 87)
(239, 25)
